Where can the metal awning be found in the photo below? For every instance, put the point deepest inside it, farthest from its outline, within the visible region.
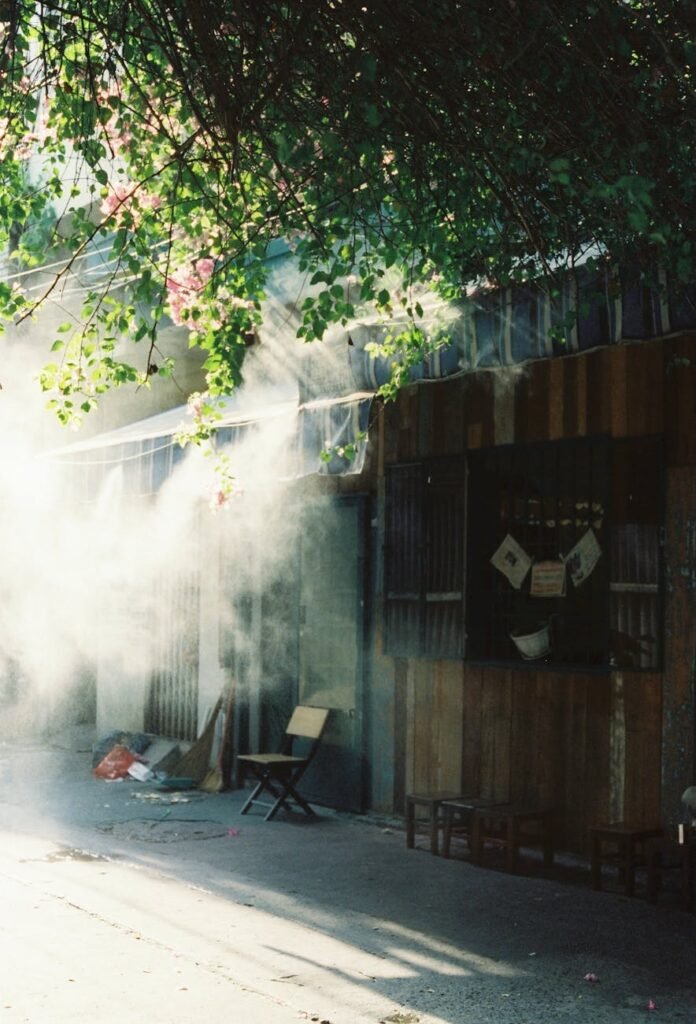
(307, 428)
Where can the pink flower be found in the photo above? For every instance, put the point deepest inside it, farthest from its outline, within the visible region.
(117, 197)
(204, 268)
(196, 403)
(590, 977)
(150, 202)
(219, 500)
(177, 307)
(25, 147)
(109, 204)
(651, 1005)
(183, 287)
(130, 197)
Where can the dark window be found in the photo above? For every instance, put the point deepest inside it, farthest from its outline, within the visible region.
(541, 512)
(424, 559)
(563, 555)
(636, 553)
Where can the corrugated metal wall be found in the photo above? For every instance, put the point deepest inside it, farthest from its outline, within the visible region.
(172, 701)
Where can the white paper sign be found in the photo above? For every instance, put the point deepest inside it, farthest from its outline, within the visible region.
(512, 560)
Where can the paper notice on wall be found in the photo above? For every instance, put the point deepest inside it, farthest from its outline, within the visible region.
(581, 561)
(512, 560)
(548, 579)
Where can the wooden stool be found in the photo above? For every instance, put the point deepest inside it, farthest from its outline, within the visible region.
(511, 828)
(458, 817)
(665, 854)
(618, 842)
(432, 803)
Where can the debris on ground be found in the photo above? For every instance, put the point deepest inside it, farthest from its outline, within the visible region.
(165, 798)
(116, 763)
(140, 772)
(135, 755)
(163, 755)
(136, 742)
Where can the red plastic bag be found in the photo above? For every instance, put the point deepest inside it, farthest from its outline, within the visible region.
(116, 763)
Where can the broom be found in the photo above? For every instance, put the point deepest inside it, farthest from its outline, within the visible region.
(195, 763)
(214, 781)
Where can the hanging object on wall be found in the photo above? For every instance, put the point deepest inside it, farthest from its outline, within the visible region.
(580, 562)
(548, 579)
(533, 643)
(512, 560)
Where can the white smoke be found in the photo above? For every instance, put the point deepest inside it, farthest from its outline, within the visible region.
(86, 586)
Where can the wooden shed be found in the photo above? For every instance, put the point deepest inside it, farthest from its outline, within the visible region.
(603, 726)
(575, 459)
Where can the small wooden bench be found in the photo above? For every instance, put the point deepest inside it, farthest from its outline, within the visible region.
(511, 827)
(619, 843)
(666, 853)
(432, 803)
(458, 819)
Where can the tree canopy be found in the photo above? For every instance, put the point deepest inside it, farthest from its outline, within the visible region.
(390, 145)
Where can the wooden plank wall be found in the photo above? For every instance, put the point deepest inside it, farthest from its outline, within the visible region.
(590, 745)
(679, 704)
(434, 721)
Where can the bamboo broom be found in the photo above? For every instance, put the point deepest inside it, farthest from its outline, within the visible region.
(214, 781)
(196, 761)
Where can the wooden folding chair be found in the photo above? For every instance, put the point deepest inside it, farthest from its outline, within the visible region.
(278, 774)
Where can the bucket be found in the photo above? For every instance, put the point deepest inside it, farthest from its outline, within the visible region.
(534, 644)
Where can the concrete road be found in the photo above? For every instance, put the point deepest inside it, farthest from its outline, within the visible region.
(86, 939)
(119, 907)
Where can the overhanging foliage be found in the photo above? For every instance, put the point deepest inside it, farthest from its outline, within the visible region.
(390, 144)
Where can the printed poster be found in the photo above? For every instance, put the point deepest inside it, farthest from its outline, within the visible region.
(548, 579)
(581, 561)
(512, 560)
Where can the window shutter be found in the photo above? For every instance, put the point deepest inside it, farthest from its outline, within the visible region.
(424, 559)
(403, 560)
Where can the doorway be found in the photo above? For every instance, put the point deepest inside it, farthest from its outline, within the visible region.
(331, 644)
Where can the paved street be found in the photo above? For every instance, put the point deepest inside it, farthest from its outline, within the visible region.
(99, 942)
(121, 905)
